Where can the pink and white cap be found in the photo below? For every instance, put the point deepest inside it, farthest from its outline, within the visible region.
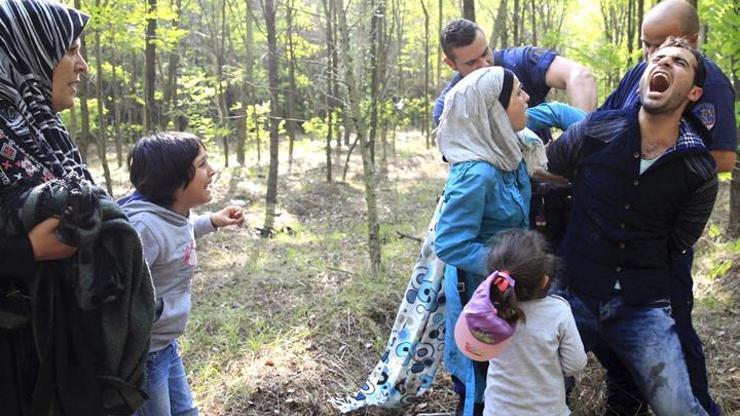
(480, 333)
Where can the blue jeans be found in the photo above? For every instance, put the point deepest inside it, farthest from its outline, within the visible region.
(645, 340)
(167, 385)
(624, 396)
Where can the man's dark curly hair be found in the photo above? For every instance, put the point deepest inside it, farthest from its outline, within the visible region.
(457, 33)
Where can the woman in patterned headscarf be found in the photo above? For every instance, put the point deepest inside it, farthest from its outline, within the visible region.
(40, 66)
(74, 334)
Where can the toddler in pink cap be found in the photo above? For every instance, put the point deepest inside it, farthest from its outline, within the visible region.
(529, 337)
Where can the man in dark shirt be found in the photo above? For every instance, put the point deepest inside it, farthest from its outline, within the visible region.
(644, 187)
(715, 109)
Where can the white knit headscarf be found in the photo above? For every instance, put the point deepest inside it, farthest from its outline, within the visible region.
(474, 125)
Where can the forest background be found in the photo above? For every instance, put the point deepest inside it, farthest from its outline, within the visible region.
(318, 115)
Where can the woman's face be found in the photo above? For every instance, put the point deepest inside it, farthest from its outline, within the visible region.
(517, 109)
(65, 79)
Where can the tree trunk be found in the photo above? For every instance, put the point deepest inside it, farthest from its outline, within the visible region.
(335, 82)
(439, 46)
(102, 133)
(426, 99)
(83, 139)
(534, 22)
(631, 20)
(247, 96)
(376, 36)
(469, 9)
(150, 54)
(257, 132)
(369, 171)
(169, 98)
(292, 89)
(222, 85)
(116, 113)
(328, 8)
(268, 9)
(515, 18)
(499, 28)
(734, 230)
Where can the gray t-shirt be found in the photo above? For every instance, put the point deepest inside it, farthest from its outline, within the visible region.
(527, 378)
(168, 240)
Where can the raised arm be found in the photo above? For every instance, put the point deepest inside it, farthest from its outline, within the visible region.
(553, 114)
(577, 81)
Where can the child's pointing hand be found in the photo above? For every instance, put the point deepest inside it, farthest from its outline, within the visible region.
(227, 216)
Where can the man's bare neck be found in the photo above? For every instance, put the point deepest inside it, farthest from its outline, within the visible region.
(658, 132)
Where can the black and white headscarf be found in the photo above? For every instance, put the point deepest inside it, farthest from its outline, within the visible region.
(34, 37)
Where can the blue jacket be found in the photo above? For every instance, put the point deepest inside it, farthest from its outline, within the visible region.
(480, 201)
(628, 226)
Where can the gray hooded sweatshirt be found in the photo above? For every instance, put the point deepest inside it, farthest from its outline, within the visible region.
(168, 239)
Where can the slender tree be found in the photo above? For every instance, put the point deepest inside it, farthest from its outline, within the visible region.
(268, 11)
(358, 120)
(469, 9)
(427, 125)
(376, 39)
(101, 138)
(84, 138)
(290, 94)
(169, 98)
(247, 86)
(328, 6)
(150, 56)
(439, 45)
(500, 30)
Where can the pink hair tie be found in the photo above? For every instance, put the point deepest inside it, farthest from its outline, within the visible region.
(502, 280)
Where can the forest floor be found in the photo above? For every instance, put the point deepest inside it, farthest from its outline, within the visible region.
(281, 325)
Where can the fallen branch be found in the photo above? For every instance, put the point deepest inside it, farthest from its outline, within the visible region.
(410, 237)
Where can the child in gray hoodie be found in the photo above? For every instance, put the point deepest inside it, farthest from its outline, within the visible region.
(171, 174)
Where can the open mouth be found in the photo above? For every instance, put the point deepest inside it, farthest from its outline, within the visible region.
(659, 82)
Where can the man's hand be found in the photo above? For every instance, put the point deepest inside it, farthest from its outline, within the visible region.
(45, 244)
(227, 216)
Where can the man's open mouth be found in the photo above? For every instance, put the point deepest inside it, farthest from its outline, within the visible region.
(659, 82)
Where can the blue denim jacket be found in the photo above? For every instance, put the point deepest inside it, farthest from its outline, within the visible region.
(480, 201)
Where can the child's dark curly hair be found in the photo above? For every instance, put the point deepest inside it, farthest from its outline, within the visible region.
(526, 257)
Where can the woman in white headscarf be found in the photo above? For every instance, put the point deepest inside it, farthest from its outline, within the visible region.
(487, 191)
